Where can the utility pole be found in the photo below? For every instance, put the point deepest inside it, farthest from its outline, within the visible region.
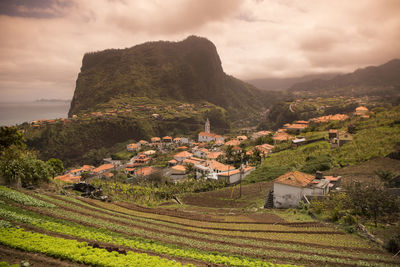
(241, 173)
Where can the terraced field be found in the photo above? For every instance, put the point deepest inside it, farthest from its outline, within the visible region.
(59, 230)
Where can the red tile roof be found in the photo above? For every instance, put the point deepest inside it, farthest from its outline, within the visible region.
(297, 179)
(103, 168)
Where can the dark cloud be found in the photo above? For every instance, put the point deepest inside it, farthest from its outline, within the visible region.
(34, 9)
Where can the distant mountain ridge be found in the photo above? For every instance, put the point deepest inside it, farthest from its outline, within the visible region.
(187, 71)
(369, 80)
(280, 84)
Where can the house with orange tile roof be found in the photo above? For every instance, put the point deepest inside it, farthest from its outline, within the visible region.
(79, 171)
(144, 171)
(361, 111)
(103, 168)
(295, 127)
(233, 142)
(210, 137)
(236, 175)
(260, 134)
(290, 188)
(155, 139)
(167, 139)
(143, 142)
(132, 147)
(181, 156)
(214, 155)
(282, 136)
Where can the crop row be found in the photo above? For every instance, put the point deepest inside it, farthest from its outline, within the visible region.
(151, 228)
(105, 236)
(215, 225)
(230, 248)
(76, 251)
(337, 240)
(22, 198)
(238, 248)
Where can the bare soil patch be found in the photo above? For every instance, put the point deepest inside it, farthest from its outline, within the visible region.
(224, 198)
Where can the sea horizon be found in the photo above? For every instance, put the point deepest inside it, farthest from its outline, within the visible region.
(17, 112)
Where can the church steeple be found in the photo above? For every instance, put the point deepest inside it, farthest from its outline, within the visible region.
(207, 126)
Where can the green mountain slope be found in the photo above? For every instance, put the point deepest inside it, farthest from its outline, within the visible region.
(186, 71)
(383, 80)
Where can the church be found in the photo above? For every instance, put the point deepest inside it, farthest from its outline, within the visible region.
(208, 136)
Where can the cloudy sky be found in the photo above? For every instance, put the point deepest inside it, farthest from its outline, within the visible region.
(42, 41)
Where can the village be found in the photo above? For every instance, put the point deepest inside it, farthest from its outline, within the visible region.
(216, 157)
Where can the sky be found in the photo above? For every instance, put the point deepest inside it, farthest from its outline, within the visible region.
(43, 41)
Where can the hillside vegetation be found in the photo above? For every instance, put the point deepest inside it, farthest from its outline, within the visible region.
(374, 137)
(186, 71)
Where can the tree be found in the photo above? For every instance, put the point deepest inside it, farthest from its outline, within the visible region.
(372, 201)
(10, 136)
(56, 166)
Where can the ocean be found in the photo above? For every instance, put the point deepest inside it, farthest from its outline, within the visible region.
(12, 113)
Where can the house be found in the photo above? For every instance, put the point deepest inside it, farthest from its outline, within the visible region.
(214, 155)
(299, 140)
(139, 160)
(178, 172)
(149, 152)
(143, 143)
(130, 171)
(233, 142)
(132, 147)
(290, 188)
(265, 149)
(84, 168)
(103, 168)
(172, 162)
(155, 139)
(298, 127)
(333, 133)
(144, 171)
(236, 175)
(341, 139)
(181, 156)
(167, 139)
(260, 134)
(210, 137)
(360, 111)
(200, 152)
(193, 160)
(281, 136)
(181, 140)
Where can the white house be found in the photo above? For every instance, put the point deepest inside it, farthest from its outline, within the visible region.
(290, 188)
(200, 152)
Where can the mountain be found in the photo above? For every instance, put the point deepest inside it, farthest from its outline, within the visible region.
(280, 84)
(187, 71)
(373, 80)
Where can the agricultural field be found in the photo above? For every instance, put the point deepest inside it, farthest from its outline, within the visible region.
(46, 229)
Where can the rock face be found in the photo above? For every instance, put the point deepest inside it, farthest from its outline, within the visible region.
(188, 71)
